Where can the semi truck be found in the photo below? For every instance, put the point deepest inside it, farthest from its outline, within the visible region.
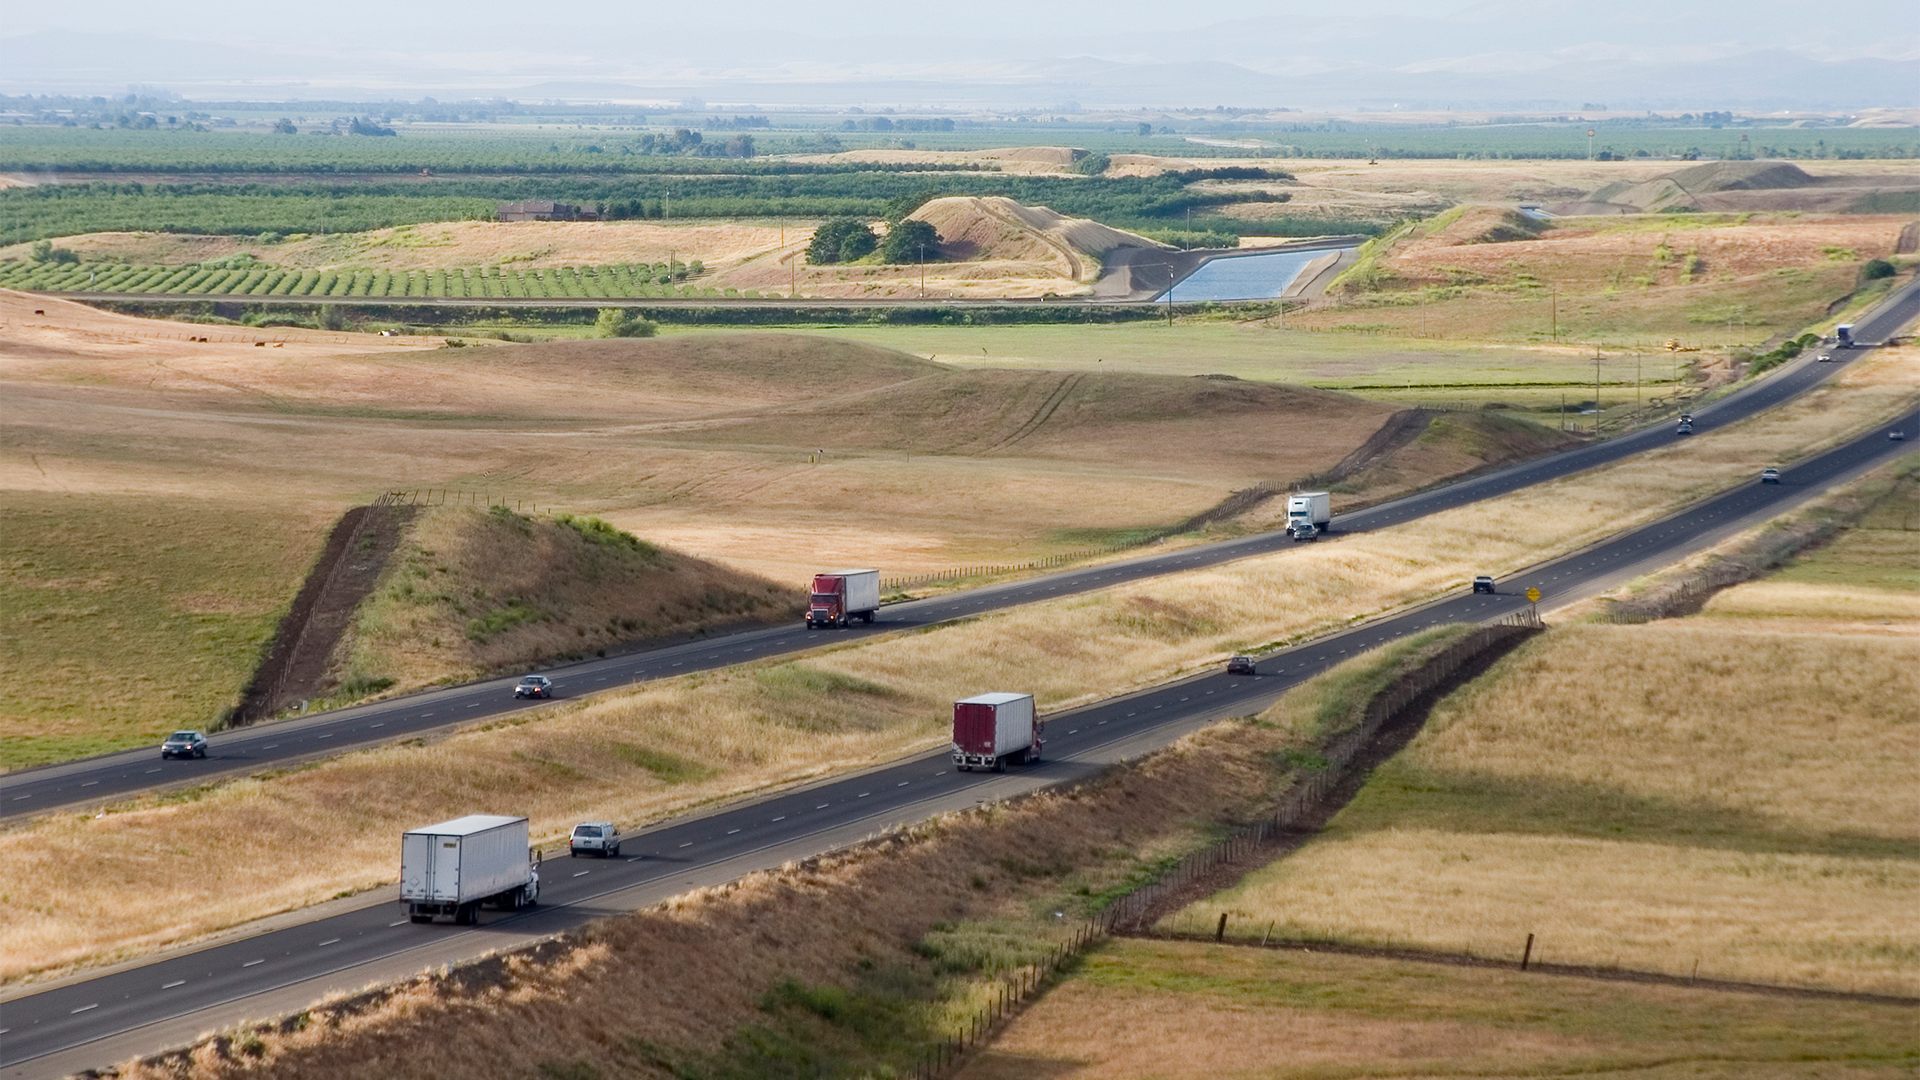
(454, 867)
(1843, 335)
(843, 596)
(1308, 513)
(990, 730)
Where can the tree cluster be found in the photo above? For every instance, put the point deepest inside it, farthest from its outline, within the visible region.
(621, 323)
(841, 240)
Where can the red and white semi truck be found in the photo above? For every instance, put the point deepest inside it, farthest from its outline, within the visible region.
(990, 730)
(843, 596)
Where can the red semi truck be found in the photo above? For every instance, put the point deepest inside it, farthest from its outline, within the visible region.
(842, 596)
(992, 729)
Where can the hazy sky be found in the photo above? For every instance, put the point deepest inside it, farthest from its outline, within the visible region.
(480, 45)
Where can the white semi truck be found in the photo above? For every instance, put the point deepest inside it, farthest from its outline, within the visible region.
(1308, 513)
(454, 867)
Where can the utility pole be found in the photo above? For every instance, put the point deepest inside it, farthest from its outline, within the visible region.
(1169, 296)
(923, 271)
(1553, 306)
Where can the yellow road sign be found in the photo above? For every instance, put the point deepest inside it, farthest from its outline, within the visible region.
(1533, 595)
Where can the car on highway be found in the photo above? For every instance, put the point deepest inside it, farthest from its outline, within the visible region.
(1241, 665)
(191, 744)
(1769, 476)
(534, 686)
(1685, 428)
(1484, 584)
(1825, 358)
(1896, 435)
(600, 838)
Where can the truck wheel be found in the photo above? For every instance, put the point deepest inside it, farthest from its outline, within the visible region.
(999, 764)
(463, 915)
(421, 918)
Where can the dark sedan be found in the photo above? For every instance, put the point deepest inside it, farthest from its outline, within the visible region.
(534, 686)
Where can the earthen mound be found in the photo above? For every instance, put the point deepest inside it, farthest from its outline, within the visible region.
(995, 228)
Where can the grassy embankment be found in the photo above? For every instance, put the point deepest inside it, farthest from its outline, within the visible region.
(1735, 790)
(850, 967)
(126, 616)
(473, 592)
(184, 867)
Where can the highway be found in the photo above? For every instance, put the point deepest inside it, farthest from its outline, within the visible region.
(94, 781)
(53, 1031)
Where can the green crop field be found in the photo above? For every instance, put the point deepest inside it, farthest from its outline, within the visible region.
(620, 281)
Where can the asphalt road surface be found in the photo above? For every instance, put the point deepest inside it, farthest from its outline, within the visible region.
(93, 781)
(359, 945)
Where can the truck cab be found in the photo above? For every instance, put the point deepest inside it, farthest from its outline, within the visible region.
(842, 596)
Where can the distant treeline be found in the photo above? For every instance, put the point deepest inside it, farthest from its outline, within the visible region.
(1146, 203)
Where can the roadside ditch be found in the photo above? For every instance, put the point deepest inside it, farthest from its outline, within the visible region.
(903, 952)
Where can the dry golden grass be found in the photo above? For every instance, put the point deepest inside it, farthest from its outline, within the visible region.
(1021, 160)
(1717, 281)
(1165, 1010)
(615, 428)
(643, 754)
(1645, 796)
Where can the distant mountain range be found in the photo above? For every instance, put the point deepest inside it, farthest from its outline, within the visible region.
(1312, 68)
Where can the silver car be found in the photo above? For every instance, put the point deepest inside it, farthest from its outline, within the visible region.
(600, 838)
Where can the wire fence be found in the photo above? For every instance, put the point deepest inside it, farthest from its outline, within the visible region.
(1133, 912)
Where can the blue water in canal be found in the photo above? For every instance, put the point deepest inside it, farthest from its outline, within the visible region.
(1243, 277)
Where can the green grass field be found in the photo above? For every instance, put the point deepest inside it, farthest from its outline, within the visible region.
(123, 617)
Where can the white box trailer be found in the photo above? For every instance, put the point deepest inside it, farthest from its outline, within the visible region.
(842, 596)
(1308, 513)
(454, 867)
(991, 729)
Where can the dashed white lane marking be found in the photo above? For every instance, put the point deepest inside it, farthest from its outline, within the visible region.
(329, 941)
(250, 963)
(823, 806)
(782, 817)
(90, 783)
(84, 1008)
(730, 832)
(687, 844)
(583, 873)
(402, 922)
(863, 795)
(174, 983)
